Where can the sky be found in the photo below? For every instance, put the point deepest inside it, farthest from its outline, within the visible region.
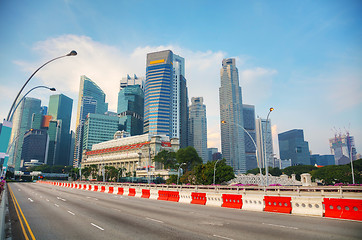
(303, 58)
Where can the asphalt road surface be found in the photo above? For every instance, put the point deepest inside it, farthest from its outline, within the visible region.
(52, 212)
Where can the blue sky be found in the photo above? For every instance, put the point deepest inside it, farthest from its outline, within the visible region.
(304, 58)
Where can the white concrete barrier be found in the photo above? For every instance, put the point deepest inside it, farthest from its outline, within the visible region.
(138, 192)
(214, 199)
(185, 197)
(153, 194)
(307, 206)
(253, 202)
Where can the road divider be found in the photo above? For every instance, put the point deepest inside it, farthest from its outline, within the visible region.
(343, 208)
(278, 204)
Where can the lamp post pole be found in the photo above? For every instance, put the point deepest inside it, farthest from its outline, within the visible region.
(256, 149)
(178, 172)
(72, 53)
(265, 158)
(215, 170)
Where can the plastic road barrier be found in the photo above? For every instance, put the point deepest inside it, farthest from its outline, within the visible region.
(162, 195)
(103, 188)
(232, 201)
(198, 198)
(278, 204)
(110, 190)
(343, 208)
(173, 196)
(120, 191)
(95, 188)
(146, 193)
(132, 192)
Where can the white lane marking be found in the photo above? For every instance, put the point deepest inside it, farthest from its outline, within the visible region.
(19, 190)
(222, 237)
(47, 200)
(31, 200)
(97, 226)
(282, 226)
(155, 220)
(59, 198)
(71, 213)
(56, 205)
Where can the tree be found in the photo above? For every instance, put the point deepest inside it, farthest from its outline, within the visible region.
(93, 171)
(168, 159)
(86, 172)
(189, 156)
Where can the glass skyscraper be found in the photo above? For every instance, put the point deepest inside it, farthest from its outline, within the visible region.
(198, 127)
(264, 138)
(231, 116)
(249, 125)
(130, 109)
(60, 108)
(158, 93)
(91, 99)
(292, 146)
(21, 123)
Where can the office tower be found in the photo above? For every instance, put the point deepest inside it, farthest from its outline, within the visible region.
(131, 106)
(44, 110)
(250, 139)
(21, 123)
(198, 127)
(231, 117)
(91, 99)
(60, 109)
(35, 146)
(292, 146)
(343, 148)
(158, 93)
(180, 109)
(131, 81)
(98, 128)
(264, 137)
(72, 145)
(210, 152)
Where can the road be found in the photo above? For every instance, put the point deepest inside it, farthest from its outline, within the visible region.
(54, 212)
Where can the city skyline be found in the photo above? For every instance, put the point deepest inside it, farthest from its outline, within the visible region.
(300, 58)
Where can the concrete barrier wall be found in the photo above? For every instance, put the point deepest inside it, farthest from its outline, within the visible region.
(306, 204)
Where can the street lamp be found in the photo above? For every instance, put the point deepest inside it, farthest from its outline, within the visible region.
(265, 159)
(72, 53)
(17, 105)
(215, 169)
(178, 171)
(256, 149)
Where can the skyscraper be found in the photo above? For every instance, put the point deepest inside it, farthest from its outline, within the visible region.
(343, 148)
(60, 108)
(262, 138)
(231, 116)
(91, 99)
(35, 146)
(249, 125)
(21, 123)
(292, 146)
(198, 127)
(131, 81)
(131, 107)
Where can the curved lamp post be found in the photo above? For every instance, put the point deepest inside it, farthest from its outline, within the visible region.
(17, 105)
(256, 149)
(215, 170)
(178, 171)
(72, 53)
(265, 159)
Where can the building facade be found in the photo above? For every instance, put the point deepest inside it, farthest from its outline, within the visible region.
(98, 128)
(343, 148)
(292, 146)
(35, 146)
(322, 160)
(264, 141)
(198, 127)
(131, 81)
(231, 117)
(21, 123)
(133, 153)
(91, 99)
(130, 109)
(250, 138)
(60, 108)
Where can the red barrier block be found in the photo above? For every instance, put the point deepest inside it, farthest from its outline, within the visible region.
(84, 187)
(103, 188)
(162, 195)
(111, 189)
(146, 193)
(79, 186)
(173, 196)
(120, 191)
(232, 201)
(89, 187)
(95, 188)
(278, 204)
(198, 198)
(343, 208)
(132, 192)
